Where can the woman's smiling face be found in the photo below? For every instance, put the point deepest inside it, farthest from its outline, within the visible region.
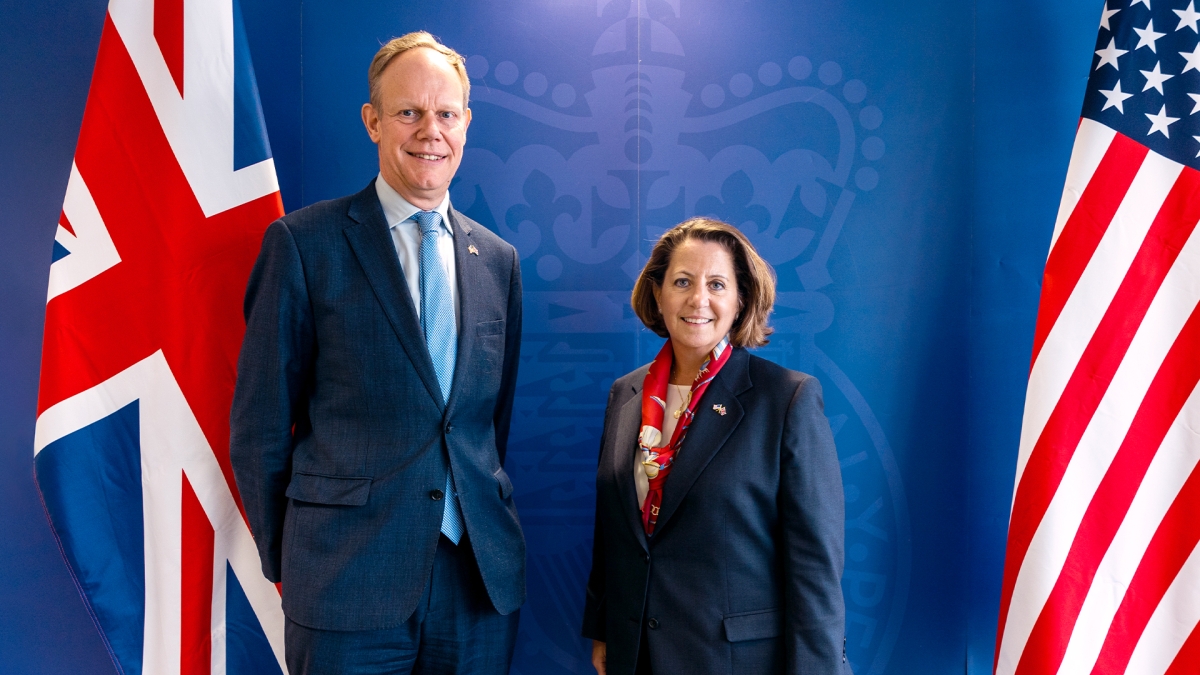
(698, 298)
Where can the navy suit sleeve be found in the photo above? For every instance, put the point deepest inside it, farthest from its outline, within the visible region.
(268, 403)
(502, 418)
(812, 514)
(595, 609)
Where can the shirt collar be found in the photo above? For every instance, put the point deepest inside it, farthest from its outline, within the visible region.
(397, 209)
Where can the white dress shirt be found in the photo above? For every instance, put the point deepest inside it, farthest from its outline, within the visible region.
(675, 396)
(406, 235)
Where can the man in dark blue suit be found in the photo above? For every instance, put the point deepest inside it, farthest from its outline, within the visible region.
(374, 393)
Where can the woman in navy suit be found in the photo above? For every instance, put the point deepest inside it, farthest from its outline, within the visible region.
(719, 513)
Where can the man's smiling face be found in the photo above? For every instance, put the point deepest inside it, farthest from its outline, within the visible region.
(420, 125)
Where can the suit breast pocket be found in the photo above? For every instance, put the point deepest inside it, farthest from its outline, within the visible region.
(489, 346)
(486, 328)
(757, 625)
(329, 490)
(506, 486)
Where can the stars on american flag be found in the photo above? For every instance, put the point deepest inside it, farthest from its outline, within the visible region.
(1106, 16)
(1155, 78)
(1145, 79)
(1147, 37)
(1192, 58)
(1108, 55)
(1116, 98)
(1188, 17)
(1160, 122)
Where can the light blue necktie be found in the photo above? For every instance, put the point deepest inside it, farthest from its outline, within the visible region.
(441, 338)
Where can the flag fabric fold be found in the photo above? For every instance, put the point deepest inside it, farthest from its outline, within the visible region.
(1102, 569)
(170, 192)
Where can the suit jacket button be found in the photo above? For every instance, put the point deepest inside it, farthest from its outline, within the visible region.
(436, 495)
(652, 624)
(449, 428)
(646, 557)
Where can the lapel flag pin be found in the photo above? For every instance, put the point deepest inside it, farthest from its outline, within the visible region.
(473, 250)
(719, 408)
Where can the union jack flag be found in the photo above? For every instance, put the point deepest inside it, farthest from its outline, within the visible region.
(171, 189)
(1102, 570)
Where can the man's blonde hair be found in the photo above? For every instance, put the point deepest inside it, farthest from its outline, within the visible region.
(398, 46)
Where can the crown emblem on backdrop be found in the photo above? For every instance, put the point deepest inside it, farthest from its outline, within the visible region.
(584, 201)
(596, 153)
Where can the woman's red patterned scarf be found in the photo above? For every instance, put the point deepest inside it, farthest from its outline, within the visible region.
(659, 460)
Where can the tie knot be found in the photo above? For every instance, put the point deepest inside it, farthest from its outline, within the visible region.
(428, 221)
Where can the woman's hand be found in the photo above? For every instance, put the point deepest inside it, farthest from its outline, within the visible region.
(600, 657)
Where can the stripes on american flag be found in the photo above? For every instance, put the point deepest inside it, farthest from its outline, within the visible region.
(1102, 570)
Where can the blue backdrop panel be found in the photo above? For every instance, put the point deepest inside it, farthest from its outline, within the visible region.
(899, 165)
(1028, 102)
(836, 136)
(47, 49)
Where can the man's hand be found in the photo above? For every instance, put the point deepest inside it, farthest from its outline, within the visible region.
(600, 657)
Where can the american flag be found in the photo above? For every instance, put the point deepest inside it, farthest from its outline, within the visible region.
(171, 189)
(1102, 571)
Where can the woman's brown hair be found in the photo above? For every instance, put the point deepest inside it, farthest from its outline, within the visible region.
(755, 279)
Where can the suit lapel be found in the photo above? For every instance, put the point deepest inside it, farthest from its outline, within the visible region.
(372, 244)
(625, 450)
(468, 300)
(708, 432)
